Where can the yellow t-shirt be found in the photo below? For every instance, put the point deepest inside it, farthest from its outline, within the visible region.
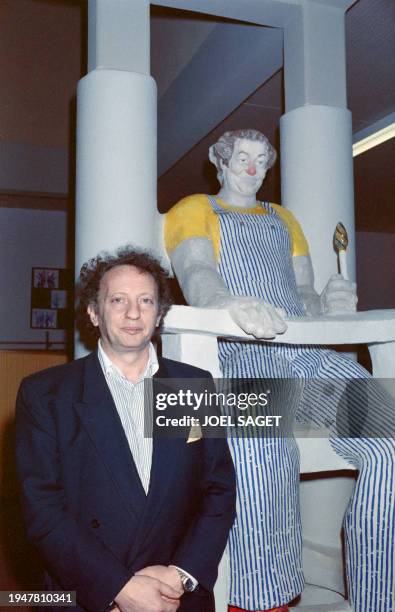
(193, 217)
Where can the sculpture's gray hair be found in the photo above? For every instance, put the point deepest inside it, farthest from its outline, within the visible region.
(222, 150)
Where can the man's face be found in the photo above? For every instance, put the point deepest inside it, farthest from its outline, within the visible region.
(247, 167)
(127, 312)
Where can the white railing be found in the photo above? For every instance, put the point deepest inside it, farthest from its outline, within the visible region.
(376, 328)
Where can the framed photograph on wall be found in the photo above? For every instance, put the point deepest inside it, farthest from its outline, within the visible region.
(59, 298)
(43, 318)
(45, 278)
(51, 298)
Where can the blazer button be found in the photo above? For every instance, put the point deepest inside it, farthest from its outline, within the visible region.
(95, 523)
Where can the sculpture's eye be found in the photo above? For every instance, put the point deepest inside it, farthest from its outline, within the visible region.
(261, 161)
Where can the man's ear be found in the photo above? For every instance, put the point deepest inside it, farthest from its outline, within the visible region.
(91, 310)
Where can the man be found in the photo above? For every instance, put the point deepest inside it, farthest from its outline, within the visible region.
(127, 522)
(230, 251)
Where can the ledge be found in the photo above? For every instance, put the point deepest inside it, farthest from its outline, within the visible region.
(372, 326)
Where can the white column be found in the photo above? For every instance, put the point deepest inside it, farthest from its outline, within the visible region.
(317, 181)
(317, 186)
(316, 134)
(116, 133)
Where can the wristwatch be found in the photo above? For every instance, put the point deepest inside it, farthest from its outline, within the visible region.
(187, 582)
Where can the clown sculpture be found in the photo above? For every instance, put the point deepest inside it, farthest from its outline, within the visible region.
(230, 251)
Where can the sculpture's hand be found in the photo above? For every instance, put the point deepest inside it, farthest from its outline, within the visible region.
(256, 317)
(339, 296)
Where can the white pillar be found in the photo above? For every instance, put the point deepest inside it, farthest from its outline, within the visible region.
(317, 181)
(119, 35)
(116, 133)
(116, 162)
(317, 186)
(316, 135)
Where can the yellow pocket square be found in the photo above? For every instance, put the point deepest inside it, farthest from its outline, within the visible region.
(195, 434)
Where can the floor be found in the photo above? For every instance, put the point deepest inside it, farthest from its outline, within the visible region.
(316, 599)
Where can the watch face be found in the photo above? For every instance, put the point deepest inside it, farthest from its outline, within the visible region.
(188, 585)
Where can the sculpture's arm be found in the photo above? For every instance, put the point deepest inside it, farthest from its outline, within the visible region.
(304, 276)
(194, 264)
(338, 297)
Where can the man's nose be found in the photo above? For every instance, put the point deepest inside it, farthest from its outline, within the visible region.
(133, 310)
(251, 170)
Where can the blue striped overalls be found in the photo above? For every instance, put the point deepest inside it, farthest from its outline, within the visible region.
(265, 541)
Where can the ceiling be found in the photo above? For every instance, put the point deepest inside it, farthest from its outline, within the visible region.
(371, 96)
(213, 74)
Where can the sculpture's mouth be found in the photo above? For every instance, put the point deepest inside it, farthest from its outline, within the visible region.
(249, 182)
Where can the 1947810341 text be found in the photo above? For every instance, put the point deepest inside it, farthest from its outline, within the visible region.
(42, 598)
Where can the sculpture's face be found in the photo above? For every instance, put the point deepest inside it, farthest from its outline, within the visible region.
(247, 167)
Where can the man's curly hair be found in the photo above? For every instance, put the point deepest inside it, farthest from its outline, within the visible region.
(92, 272)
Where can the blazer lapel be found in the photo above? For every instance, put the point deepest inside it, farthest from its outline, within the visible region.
(99, 416)
(165, 454)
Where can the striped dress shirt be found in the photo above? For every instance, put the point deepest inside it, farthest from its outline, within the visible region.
(129, 402)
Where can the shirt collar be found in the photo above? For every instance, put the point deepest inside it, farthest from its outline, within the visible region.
(109, 367)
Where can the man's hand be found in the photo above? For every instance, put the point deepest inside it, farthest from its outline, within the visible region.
(339, 296)
(146, 594)
(166, 574)
(257, 317)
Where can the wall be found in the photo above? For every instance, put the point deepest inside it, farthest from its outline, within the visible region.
(30, 238)
(42, 48)
(375, 270)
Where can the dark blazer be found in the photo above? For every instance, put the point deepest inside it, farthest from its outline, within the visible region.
(84, 505)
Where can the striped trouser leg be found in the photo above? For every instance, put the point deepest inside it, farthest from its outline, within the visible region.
(369, 524)
(347, 400)
(265, 541)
